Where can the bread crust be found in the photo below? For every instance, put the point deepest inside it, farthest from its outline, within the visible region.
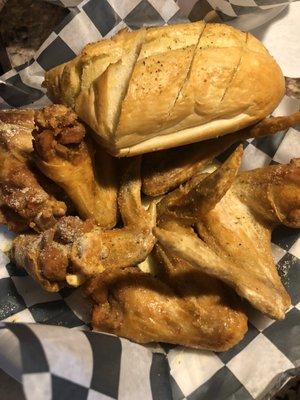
(189, 82)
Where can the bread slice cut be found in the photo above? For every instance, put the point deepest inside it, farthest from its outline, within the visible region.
(256, 84)
(215, 64)
(99, 102)
(68, 80)
(190, 82)
(159, 72)
(113, 84)
(225, 90)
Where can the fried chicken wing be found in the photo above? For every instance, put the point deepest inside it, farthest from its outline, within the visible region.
(234, 225)
(165, 170)
(46, 257)
(23, 201)
(74, 250)
(116, 248)
(140, 307)
(16, 128)
(79, 166)
(218, 310)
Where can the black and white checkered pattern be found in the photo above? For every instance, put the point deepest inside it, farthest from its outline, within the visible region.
(58, 363)
(85, 365)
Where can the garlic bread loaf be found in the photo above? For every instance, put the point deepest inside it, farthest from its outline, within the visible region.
(167, 86)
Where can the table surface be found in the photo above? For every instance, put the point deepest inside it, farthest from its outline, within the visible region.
(25, 25)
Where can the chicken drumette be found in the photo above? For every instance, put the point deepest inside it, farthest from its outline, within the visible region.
(78, 165)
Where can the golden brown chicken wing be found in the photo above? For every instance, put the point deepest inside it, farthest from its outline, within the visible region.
(165, 170)
(180, 309)
(46, 257)
(79, 166)
(23, 201)
(234, 217)
(74, 250)
(129, 245)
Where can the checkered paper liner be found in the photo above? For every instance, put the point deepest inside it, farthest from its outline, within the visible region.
(50, 348)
